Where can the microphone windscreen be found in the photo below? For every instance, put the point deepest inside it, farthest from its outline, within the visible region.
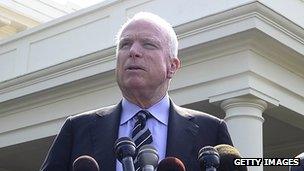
(227, 154)
(147, 155)
(208, 158)
(171, 164)
(301, 166)
(85, 163)
(124, 147)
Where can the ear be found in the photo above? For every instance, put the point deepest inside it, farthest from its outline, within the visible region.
(174, 66)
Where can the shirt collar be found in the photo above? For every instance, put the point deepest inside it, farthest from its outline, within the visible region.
(159, 110)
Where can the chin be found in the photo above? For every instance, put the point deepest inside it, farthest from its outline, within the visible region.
(134, 80)
(134, 85)
(130, 84)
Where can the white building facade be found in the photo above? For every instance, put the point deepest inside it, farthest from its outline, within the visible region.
(242, 60)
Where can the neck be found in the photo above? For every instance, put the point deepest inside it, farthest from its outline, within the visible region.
(144, 100)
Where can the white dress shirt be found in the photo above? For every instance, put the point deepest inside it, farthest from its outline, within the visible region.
(158, 124)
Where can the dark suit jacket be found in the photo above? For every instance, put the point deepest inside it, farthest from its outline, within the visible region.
(94, 133)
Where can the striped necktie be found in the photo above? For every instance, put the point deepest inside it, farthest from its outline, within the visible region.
(141, 134)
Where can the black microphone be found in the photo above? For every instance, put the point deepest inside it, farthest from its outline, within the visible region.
(147, 158)
(208, 158)
(125, 150)
(171, 164)
(301, 166)
(85, 163)
(227, 154)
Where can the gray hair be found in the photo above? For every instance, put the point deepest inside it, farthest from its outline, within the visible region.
(172, 38)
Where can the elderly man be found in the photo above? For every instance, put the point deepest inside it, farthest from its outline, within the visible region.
(146, 62)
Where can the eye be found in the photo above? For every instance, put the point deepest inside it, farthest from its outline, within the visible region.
(150, 45)
(124, 44)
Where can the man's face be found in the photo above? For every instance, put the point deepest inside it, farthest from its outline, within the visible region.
(143, 60)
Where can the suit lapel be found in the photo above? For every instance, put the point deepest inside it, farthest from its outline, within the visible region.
(104, 134)
(182, 132)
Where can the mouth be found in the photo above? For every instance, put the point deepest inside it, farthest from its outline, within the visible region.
(134, 68)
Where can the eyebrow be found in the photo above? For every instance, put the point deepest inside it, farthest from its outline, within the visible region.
(151, 39)
(145, 38)
(124, 40)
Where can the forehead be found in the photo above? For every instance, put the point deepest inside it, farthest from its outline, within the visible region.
(143, 29)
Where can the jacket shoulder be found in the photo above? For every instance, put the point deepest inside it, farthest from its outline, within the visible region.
(209, 126)
(197, 115)
(96, 112)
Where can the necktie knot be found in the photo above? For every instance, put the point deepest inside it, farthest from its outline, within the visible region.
(142, 116)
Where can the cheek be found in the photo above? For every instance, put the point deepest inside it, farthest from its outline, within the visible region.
(160, 69)
(119, 67)
(120, 61)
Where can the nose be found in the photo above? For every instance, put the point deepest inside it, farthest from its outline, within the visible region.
(135, 50)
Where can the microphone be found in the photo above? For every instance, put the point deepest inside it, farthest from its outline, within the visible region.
(301, 166)
(85, 163)
(208, 158)
(171, 164)
(227, 154)
(125, 150)
(147, 158)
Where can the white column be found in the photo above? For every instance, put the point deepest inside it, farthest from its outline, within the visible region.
(245, 124)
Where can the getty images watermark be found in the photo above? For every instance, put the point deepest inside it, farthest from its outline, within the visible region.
(267, 162)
